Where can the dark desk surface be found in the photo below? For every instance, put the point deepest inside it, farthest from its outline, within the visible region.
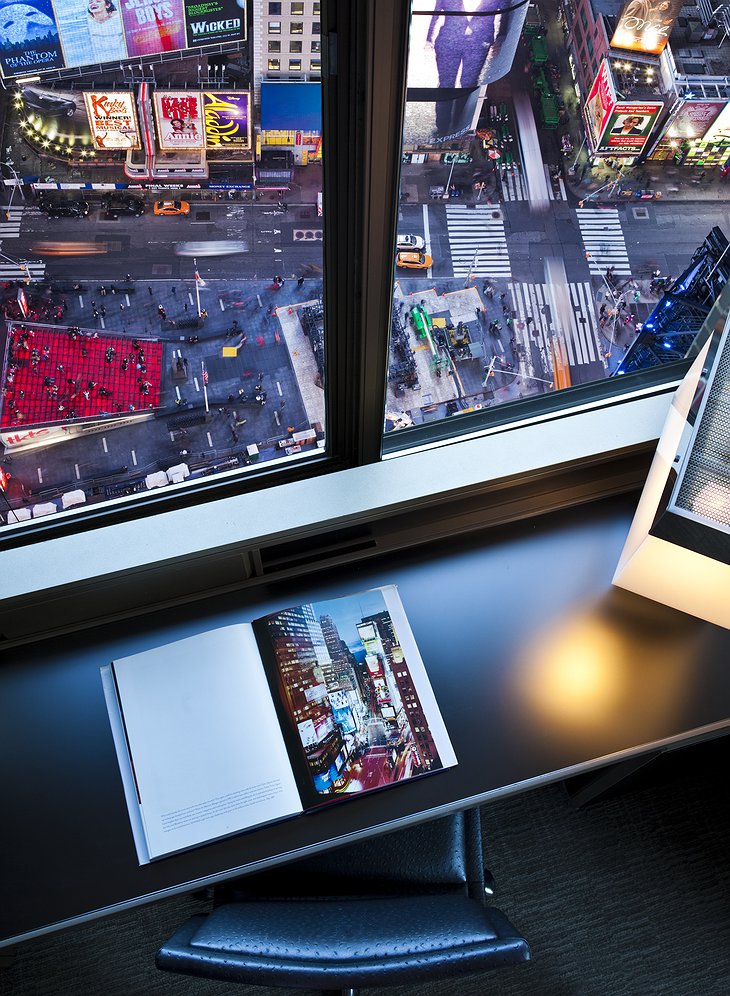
(540, 667)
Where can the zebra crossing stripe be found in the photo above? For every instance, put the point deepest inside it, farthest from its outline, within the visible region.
(13, 271)
(554, 195)
(603, 239)
(580, 339)
(513, 186)
(477, 241)
(10, 222)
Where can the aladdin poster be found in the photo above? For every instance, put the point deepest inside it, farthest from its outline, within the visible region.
(211, 21)
(29, 41)
(112, 120)
(153, 26)
(227, 120)
(179, 119)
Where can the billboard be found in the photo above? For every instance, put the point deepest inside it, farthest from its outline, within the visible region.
(211, 21)
(645, 25)
(153, 26)
(179, 120)
(91, 32)
(693, 119)
(628, 128)
(112, 120)
(227, 120)
(29, 41)
(600, 103)
(719, 130)
(453, 47)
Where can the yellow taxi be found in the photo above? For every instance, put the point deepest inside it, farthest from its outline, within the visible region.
(413, 260)
(171, 207)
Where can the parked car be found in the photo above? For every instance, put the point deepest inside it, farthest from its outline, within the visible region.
(410, 243)
(72, 208)
(171, 207)
(116, 205)
(413, 260)
(53, 105)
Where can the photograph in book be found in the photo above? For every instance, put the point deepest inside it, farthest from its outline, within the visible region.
(355, 689)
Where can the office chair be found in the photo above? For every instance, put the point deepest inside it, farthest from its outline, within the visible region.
(400, 908)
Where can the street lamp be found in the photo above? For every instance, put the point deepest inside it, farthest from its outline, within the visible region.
(11, 166)
(21, 264)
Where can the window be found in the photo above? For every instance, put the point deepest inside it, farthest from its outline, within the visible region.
(296, 27)
(583, 19)
(295, 65)
(274, 8)
(295, 46)
(274, 46)
(274, 27)
(297, 8)
(315, 8)
(589, 45)
(316, 27)
(315, 46)
(365, 428)
(274, 65)
(315, 65)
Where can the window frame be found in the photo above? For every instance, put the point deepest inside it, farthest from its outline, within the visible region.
(364, 85)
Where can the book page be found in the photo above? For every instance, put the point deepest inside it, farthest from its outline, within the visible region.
(357, 706)
(205, 745)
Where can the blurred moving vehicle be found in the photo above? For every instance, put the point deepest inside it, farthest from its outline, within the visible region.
(171, 207)
(413, 260)
(410, 243)
(72, 208)
(218, 247)
(70, 248)
(116, 205)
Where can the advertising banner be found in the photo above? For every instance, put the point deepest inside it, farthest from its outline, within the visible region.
(227, 120)
(112, 120)
(719, 130)
(90, 32)
(153, 26)
(29, 41)
(693, 119)
(600, 103)
(645, 25)
(179, 120)
(451, 46)
(210, 21)
(628, 128)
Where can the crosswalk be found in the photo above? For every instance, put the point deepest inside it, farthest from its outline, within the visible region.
(10, 222)
(514, 185)
(580, 339)
(477, 241)
(13, 271)
(603, 239)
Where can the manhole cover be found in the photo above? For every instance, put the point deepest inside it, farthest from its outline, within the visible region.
(641, 213)
(307, 234)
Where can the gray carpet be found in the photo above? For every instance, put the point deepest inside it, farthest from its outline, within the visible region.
(629, 896)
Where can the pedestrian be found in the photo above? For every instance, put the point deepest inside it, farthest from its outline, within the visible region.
(300, 282)
(186, 306)
(102, 309)
(149, 291)
(121, 306)
(174, 289)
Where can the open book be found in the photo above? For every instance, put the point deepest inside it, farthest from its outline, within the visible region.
(240, 726)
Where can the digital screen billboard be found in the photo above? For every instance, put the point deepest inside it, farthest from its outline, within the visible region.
(693, 119)
(600, 103)
(29, 40)
(628, 128)
(719, 130)
(211, 21)
(645, 25)
(227, 120)
(458, 45)
(37, 35)
(179, 120)
(112, 120)
(91, 32)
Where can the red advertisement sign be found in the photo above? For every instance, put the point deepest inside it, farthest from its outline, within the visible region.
(601, 101)
(628, 128)
(153, 26)
(179, 118)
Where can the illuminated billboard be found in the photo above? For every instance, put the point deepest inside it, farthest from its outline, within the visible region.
(601, 101)
(29, 41)
(37, 35)
(451, 46)
(719, 130)
(227, 120)
(91, 32)
(112, 120)
(628, 128)
(210, 21)
(179, 120)
(645, 25)
(693, 119)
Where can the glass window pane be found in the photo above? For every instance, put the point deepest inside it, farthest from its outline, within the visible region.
(315, 27)
(274, 8)
(297, 8)
(296, 27)
(315, 46)
(545, 212)
(169, 332)
(295, 46)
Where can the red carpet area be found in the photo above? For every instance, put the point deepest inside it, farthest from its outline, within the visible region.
(56, 374)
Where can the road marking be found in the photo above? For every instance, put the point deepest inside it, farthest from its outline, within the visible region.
(172, 436)
(513, 186)
(103, 443)
(220, 302)
(276, 416)
(474, 232)
(190, 296)
(78, 472)
(14, 271)
(210, 441)
(278, 388)
(134, 458)
(197, 385)
(604, 241)
(40, 476)
(581, 337)
(81, 300)
(177, 392)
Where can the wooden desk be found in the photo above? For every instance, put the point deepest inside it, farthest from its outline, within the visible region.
(541, 669)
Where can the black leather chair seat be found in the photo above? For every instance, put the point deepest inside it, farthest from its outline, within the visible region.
(357, 942)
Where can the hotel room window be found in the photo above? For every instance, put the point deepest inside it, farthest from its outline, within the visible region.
(274, 46)
(274, 65)
(295, 46)
(297, 9)
(295, 65)
(274, 27)
(274, 8)
(296, 27)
